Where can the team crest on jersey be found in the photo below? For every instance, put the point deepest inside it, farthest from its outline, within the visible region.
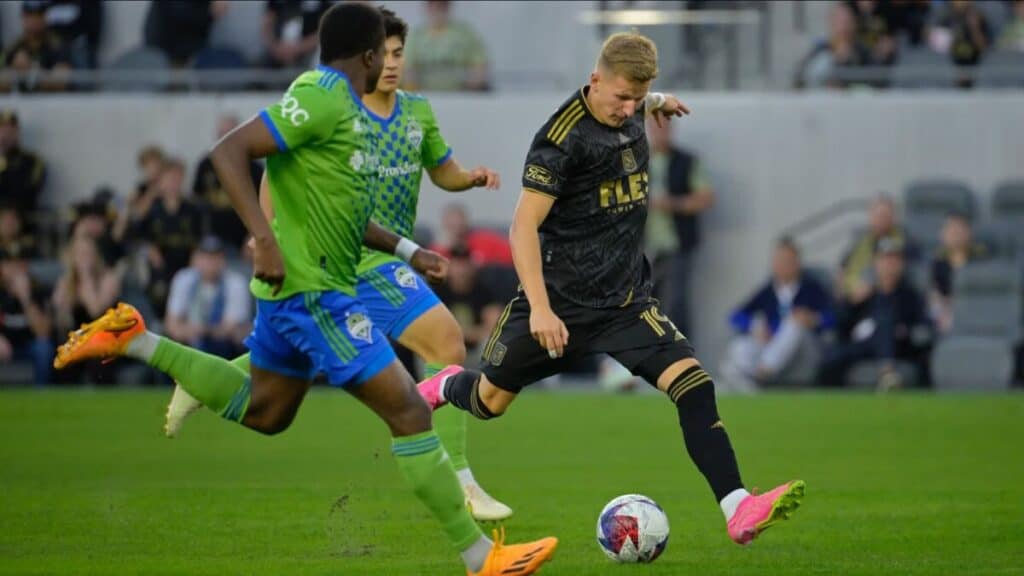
(357, 126)
(360, 327)
(406, 278)
(498, 354)
(414, 133)
(356, 160)
(628, 161)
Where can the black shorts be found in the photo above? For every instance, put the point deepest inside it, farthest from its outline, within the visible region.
(638, 336)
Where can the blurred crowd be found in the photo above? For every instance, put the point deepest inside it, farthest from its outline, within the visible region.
(875, 319)
(61, 35)
(924, 33)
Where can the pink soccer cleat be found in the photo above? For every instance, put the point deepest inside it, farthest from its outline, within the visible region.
(758, 512)
(430, 388)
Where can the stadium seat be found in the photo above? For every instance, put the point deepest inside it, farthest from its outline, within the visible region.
(926, 205)
(1001, 69)
(923, 68)
(972, 363)
(221, 57)
(150, 63)
(1008, 215)
(987, 301)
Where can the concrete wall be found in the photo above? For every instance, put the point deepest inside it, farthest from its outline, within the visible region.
(773, 159)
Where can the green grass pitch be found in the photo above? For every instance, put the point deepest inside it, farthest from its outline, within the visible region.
(904, 484)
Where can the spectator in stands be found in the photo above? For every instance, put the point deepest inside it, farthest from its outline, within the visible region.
(88, 287)
(219, 218)
(25, 330)
(778, 327)
(842, 49)
(13, 238)
(22, 173)
(445, 55)
(679, 191)
(289, 31)
(171, 229)
(856, 267)
(962, 31)
(38, 49)
(150, 163)
(958, 249)
(181, 28)
(908, 18)
(79, 24)
(485, 246)
(209, 306)
(873, 30)
(95, 218)
(475, 302)
(1012, 36)
(890, 324)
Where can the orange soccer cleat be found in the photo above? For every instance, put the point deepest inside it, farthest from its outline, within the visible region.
(516, 559)
(105, 338)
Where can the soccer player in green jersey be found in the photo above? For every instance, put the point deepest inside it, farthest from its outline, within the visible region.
(399, 302)
(322, 166)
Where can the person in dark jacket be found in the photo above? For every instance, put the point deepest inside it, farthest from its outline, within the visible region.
(779, 326)
(889, 324)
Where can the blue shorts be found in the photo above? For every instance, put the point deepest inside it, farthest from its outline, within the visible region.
(396, 296)
(328, 333)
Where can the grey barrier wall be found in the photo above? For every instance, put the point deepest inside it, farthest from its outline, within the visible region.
(773, 159)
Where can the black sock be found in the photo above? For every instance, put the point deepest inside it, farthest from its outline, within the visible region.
(463, 391)
(693, 393)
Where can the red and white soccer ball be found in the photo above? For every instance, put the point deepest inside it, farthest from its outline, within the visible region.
(632, 529)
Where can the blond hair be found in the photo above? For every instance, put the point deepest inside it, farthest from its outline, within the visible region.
(630, 55)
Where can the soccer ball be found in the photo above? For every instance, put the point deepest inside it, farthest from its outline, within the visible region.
(632, 529)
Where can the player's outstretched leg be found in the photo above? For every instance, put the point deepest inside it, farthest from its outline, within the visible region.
(468, 390)
(121, 331)
(425, 465)
(436, 337)
(747, 515)
(183, 404)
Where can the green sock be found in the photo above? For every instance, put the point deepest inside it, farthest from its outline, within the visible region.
(422, 461)
(450, 426)
(220, 385)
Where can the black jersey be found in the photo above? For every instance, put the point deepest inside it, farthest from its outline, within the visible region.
(592, 240)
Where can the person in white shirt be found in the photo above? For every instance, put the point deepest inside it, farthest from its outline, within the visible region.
(209, 306)
(778, 326)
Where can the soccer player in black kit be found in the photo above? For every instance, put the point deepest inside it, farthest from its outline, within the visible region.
(577, 238)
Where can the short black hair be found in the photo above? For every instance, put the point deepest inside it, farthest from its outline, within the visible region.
(394, 25)
(349, 29)
(788, 243)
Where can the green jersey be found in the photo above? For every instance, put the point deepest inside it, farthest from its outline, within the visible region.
(407, 142)
(321, 183)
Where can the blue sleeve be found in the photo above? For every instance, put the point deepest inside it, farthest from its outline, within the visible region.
(744, 315)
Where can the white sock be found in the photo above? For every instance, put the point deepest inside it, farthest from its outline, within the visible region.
(732, 501)
(143, 346)
(475, 556)
(465, 477)
(444, 384)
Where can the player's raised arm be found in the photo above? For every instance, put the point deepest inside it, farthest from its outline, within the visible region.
(546, 327)
(231, 157)
(451, 176)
